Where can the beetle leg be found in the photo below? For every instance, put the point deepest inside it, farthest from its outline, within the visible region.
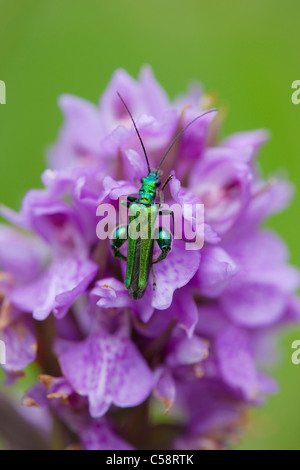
(118, 239)
(164, 242)
(171, 213)
(130, 200)
(154, 278)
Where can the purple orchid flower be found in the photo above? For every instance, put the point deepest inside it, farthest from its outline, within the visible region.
(191, 348)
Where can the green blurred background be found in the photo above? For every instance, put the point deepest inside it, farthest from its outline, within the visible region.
(246, 52)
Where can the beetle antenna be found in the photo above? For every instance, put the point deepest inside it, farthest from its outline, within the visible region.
(142, 144)
(182, 131)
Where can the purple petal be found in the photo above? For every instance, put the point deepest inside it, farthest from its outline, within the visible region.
(267, 384)
(112, 293)
(254, 304)
(236, 362)
(165, 389)
(211, 320)
(215, 270)
(183, 309)
(259, 292)
(267, 198)
(215, 412)
(20, 255)
(225, 177)
(249, 139)
(135, 165)
(98, 436)
(142, 97)
(36, 396)
(80, 136)
(187, 351)
(115, 189)
(56, 289)
(174, 272)
(21, 344)
(156, 99)
(107, 369)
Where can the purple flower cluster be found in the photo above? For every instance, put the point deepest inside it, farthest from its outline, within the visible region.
(195, 347)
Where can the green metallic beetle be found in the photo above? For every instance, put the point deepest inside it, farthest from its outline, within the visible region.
(140, 249)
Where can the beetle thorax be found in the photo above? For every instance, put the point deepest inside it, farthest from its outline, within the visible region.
(148, 189)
